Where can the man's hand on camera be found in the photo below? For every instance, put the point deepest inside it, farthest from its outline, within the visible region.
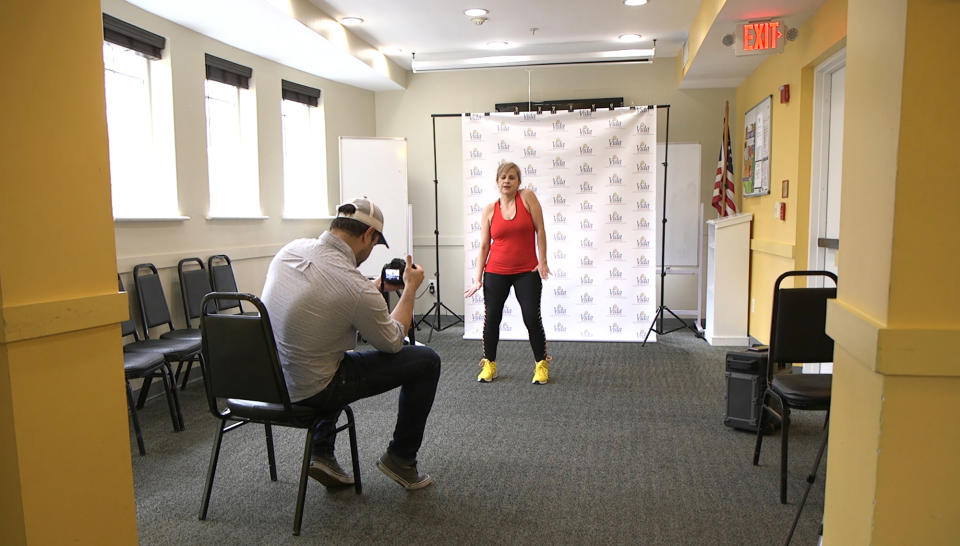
(412, 275)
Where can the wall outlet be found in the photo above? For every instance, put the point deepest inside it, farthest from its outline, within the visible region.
(432, 286)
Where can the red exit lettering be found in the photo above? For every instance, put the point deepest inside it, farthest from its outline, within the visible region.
(761, 36)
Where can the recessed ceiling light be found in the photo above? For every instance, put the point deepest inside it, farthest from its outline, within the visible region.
(351, 21)
(497, 45)
(475, 12)
(634, 2)
(630, 37)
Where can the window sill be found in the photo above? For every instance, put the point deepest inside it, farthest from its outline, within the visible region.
(126, 220)
(308, 217)
(238, 217)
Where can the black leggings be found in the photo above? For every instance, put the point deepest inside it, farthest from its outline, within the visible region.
(527, 287)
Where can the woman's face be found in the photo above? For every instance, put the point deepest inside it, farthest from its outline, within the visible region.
(509, 182)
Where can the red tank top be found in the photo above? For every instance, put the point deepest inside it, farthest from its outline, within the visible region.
(513, 249)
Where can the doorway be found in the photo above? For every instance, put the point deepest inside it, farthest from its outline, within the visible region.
(826, 172)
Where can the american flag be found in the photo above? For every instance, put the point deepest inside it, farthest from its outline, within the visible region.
(723, 189)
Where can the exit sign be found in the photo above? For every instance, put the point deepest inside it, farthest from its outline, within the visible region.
(758, 37)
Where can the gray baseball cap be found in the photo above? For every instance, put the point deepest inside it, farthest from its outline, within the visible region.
(365, 211)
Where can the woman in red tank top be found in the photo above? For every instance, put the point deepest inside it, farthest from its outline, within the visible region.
(513, 253)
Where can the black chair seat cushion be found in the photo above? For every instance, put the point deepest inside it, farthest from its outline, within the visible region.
(271, 413)
(138, 364)
(803, 391)
(176, 350)
(184, 333)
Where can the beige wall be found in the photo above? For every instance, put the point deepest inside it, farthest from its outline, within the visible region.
(249, 243)
(696, 115)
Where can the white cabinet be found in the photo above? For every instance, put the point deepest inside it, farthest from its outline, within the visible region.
(728, 280)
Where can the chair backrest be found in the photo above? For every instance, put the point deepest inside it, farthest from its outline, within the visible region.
(153, 304)
(223, 280)
(127, 327)
(798, 326)
(194, 285)
(240, 354)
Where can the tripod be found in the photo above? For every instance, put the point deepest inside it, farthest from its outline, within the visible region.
(437, 305)
(657, 324)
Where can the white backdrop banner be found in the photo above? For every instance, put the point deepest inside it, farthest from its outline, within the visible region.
(595, 176)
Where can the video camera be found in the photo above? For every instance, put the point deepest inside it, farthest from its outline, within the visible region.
(393, 272)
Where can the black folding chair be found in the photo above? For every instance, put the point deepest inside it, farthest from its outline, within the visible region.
(244, 378)
(155, 312)
(797, 335)
(223, 280)
(138, 365)
(194, 285)
(171, 350)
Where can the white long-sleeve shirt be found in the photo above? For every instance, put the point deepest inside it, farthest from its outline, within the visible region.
(318, 300)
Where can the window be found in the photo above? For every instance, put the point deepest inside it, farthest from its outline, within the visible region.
(139, 101)
(231, 141)
(304, 153)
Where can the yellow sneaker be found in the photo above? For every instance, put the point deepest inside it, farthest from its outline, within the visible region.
(488, 372)
(542, 372)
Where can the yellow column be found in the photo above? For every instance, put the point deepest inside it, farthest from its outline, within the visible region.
(65, 463)
(892, 473)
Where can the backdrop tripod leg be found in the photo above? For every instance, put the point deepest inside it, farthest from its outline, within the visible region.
(810, 479)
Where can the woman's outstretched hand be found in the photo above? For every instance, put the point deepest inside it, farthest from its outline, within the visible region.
(477, 285)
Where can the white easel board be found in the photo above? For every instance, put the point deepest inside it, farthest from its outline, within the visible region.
(376, 167)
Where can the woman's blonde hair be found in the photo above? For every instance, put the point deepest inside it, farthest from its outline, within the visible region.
(504, 167)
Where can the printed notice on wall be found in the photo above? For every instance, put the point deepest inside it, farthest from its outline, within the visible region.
(755, 175)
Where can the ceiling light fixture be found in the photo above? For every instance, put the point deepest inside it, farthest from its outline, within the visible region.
(475, 12)
(634, 2)
(625, 56)
(630, 37)
(351, 21)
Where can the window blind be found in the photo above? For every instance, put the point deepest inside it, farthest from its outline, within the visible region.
(132, 37)
(228, 72)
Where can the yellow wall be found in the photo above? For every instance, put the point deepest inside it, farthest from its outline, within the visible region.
(779, 246)
(65, 460)
(892, 474)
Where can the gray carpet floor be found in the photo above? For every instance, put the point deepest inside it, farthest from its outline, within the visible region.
(625, 445)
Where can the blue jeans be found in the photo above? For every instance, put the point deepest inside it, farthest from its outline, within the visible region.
(415, 369)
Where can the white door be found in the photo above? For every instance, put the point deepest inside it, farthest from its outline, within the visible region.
(826, 172)
(827, 165)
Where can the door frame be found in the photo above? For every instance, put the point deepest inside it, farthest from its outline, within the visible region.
(820, 153)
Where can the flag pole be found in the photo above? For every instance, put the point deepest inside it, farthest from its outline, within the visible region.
(723, 152)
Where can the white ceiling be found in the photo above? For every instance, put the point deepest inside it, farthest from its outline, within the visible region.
(436, 29)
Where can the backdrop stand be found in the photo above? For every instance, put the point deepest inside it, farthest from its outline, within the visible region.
(437, 305)
(657, 324)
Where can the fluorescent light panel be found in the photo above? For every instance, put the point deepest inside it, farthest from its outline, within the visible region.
(504, 61)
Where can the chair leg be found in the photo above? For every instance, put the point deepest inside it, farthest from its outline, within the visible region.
(144, 391)
(136, 421)
(212, 468)
(186, 375)
(352, 432)
(271, 459)
(759, 442)
(176, 398)
(302, 491)
(784, 444)
(168, 385)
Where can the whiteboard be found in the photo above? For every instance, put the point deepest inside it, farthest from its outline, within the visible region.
(376, 167)
(683, 203)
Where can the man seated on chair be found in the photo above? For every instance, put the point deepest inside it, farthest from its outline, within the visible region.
(318, 300)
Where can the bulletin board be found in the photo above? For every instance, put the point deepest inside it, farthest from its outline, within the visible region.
(755, 177)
